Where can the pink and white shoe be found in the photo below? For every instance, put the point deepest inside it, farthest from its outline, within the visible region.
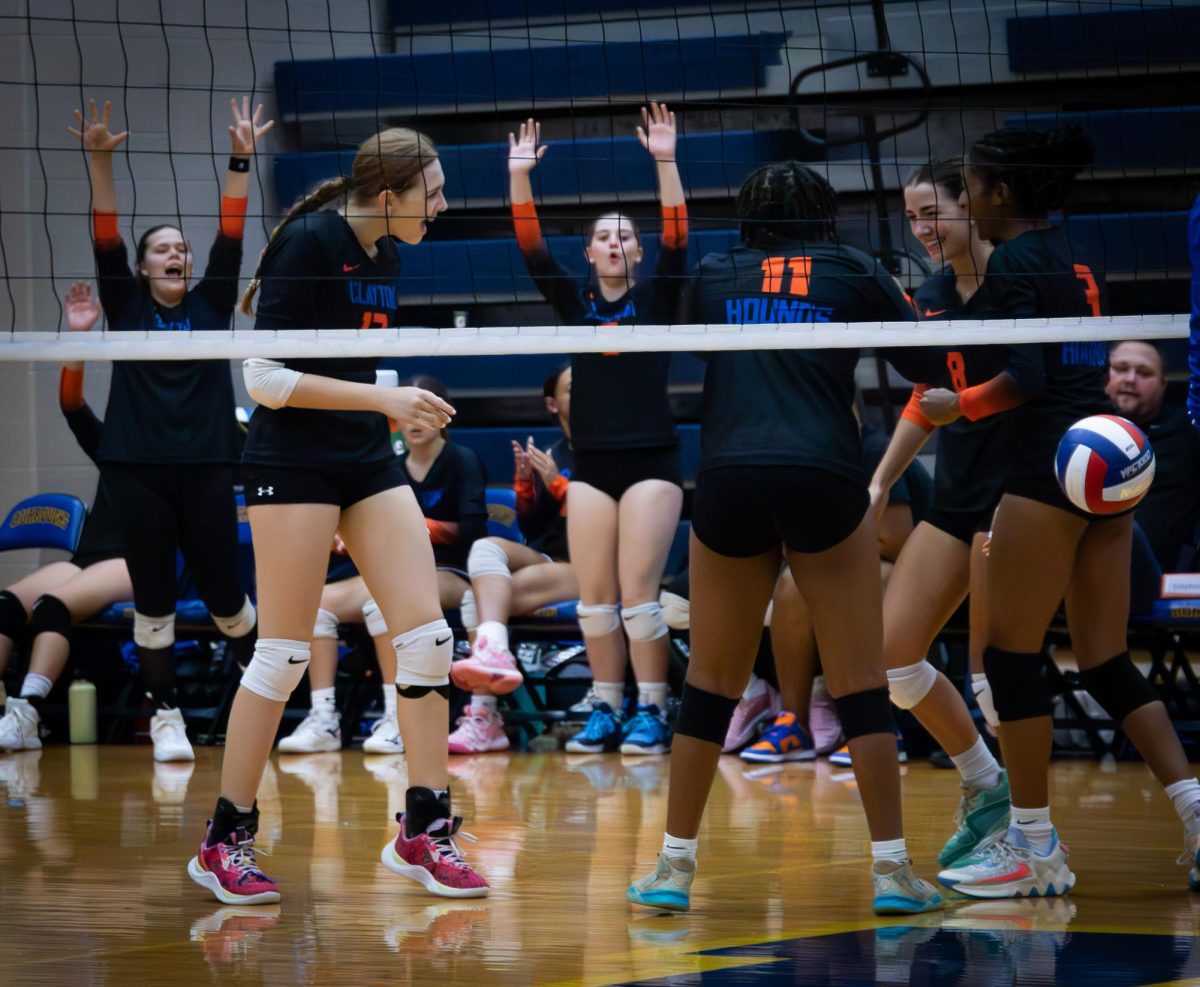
(229, 870)
(433, 859)
(762, 706)
(480, 730)
(489, 669)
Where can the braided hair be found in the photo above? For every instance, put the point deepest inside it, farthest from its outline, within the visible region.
(786, 201)
(1038, 166)
(391, 159)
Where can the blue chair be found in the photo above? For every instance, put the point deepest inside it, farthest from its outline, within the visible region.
(51, 520)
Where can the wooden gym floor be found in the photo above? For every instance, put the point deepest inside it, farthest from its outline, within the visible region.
(94, 841)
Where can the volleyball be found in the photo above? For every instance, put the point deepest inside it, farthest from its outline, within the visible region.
(1105, 464)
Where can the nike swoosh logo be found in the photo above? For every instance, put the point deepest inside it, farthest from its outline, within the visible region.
(442, 640)
(347, 268)
(930, 314)
(297, 661)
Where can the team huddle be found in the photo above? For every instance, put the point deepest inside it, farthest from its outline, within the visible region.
(781, 489)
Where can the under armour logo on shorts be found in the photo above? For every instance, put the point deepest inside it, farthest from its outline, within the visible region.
(266, 491)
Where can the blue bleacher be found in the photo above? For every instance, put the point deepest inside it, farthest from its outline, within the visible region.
(390, 84)
(405, 13)
(1121, 36)
(1163, 139)
(577, 170)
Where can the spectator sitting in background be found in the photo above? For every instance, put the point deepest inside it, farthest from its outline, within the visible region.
(1165, 521)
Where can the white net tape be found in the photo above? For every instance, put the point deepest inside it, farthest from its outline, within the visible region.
(526, 340)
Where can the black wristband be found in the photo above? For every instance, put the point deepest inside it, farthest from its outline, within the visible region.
(239, 164)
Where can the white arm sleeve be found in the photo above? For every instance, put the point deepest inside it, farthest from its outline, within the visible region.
(269, 382)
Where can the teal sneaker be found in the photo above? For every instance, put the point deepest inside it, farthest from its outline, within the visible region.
(647, 733)
(601, 734)
(980, 814)
(668, 888)
(898, 891)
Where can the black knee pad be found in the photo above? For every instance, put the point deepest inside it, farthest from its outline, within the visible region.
(1020, 687)
(50, 614)
(12, 614)
(866, 712)
(421, 691)
(1118, 686)
(704, 715)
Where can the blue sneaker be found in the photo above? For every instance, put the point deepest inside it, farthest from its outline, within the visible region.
(668, 888)
(1009, 867)
(841, 756)
(784, 740)
(601, 733)
(647, 733)
(900, 892)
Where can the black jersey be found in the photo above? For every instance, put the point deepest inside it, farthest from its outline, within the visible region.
(454, 490)
(618, 400)
(316, 275)
(541, 513)
(100, 537)
(169, 411)
(1169, 512)
(1041, 274)
(787, 407)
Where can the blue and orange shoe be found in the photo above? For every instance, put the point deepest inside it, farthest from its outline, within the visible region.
(784, 740)
(1009, 867)
(841, 756)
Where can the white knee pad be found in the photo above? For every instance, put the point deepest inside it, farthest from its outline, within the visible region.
(644, 622)
(376, 625)
(983, 699)
(597, 619)
(486, 558)
(241, 623)
(277, 667)
(910, 684)
(423, 657)
(326, 625)
(153, 632)
(676, 610)
(468, 611)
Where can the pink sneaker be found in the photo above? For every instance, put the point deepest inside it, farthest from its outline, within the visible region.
(823, 720)
(480, 730)
(762, 705)
(489, 669)
(228, 869)
(433, 859)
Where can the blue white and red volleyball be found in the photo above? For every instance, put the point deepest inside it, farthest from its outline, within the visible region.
(1105, 464)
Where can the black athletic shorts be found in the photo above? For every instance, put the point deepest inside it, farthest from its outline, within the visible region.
(741, 511)
(613, 471)
(341, 486)
(963, 525)
(1038, 482)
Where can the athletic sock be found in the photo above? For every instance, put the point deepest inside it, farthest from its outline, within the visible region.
(36, 686)
(1184, 795)
(495, 632)
(1034, 825)
(324, 701)
(674, 847)
(612, 693)
(894, 850)
(389, 700)
(653, 694)
(977, 766)
(490, 703)
(754, 686)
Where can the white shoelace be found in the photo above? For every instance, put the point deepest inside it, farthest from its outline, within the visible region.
(242, 858)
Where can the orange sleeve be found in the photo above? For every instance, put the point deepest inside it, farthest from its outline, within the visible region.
(70, 388)
(558, 488)
(104, 228)
(233, 217)
(525, 490)
(1001, 393)
(442, 532)
(529, 230)
(912, 411)
(675, 226)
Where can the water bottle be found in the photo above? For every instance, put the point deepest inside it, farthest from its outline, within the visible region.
(81, 703)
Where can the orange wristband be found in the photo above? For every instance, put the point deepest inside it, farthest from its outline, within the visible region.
(104, 228)
(70, 389)
(675, 226)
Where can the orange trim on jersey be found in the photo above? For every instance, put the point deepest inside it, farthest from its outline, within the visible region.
(558, 488)
(675, 226)
(912, 411)
(1001, 393)
(442, 532)
(525, 490)
(528, 229)
(70, 389)
(233, 216)
(105, 231)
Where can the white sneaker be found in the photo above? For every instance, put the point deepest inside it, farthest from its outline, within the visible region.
(20, 727)
(317, 732)
(385, 737)
(169, 735)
